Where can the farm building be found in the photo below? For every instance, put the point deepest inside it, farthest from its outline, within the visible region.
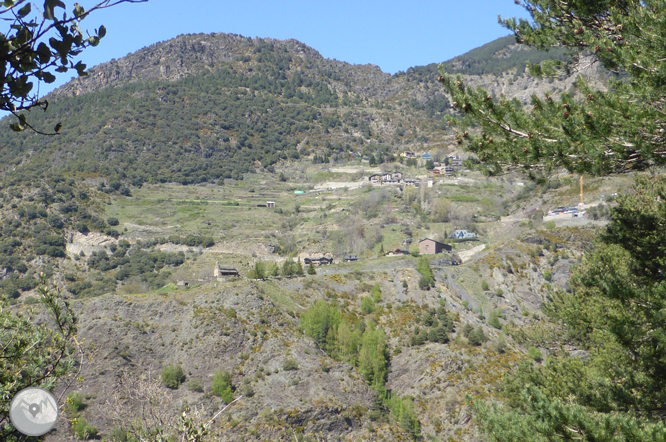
(431, 247)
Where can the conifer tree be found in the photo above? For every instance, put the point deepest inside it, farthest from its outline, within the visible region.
(615, 309)
(615, 312)
(588, 131)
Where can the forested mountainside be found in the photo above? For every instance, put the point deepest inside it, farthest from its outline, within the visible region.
(200, 108)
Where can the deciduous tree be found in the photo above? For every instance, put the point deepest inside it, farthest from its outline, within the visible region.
(38, 45)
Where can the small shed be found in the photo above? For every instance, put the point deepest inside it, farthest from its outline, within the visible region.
(431, 247)
(270, 204)
(222, 271)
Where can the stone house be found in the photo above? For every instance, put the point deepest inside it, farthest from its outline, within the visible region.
(431, 247)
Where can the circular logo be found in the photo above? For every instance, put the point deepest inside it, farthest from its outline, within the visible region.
(34, 411)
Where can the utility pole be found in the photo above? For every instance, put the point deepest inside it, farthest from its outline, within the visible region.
(581, 190)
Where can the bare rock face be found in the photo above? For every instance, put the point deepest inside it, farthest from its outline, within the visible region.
(87, 243)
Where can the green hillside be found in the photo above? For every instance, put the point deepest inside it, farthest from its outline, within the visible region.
(223, 119)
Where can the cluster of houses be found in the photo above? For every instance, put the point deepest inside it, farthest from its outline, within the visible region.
(455, 162)
(394, 178)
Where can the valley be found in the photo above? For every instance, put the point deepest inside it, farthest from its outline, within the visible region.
(257, 156)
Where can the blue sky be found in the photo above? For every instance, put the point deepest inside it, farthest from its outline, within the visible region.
(395, 35)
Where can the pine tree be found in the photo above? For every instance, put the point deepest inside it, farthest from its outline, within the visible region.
(299, 267)
(288, 267)
(605, 131)
(311, 269)
(614, 310)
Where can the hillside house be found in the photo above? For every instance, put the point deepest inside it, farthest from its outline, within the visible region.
(431, 247)
(463, 234)
(411, 183)
(455, 161)
(351, 258)
(375, 178)
(323, 261)
(408, 155)
(397, 252)
(426, 156)
(221, 272)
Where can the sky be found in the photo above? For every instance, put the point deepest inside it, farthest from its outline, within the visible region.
(394, 35)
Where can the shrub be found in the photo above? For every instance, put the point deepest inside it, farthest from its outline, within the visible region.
(414, 250)
(534, 353)
(484, 286)
(474, 339)
(550, 225)
(290, 365)
(118, 435)
(248, 391)
(112, 221)
(82, 430)
(222, 386)
(547, 275)
(425, 282)
(195, 385)
(173, 376)
(376, 293)
(419, 339)
(438, 335)
(74, 403)
(367, 306)
(501, 345)
(493, 320)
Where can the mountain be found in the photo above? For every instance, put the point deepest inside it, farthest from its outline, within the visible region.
(200, 108)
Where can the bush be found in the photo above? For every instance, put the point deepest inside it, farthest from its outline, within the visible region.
(484, 286)
(500, 345)
(425, 282)
(414, 250)
(74, 403)
(223, 387)
(547, 275)
(195, 385)
(248, 391)
(550, 225)
(82, 430)
(493, 320)
(474, 339)
(289, 365)
(173, 376)
(534, 353)
(112, 221)
(376, 293)
(118, 435)
(438, 335)
(367, 306)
